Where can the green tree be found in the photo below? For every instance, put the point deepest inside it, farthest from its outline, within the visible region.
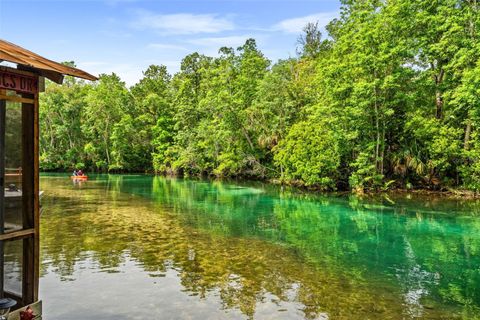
(61, 115)
(107, 102)
(153, 119)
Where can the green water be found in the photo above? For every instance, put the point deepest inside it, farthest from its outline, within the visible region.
(141, 247)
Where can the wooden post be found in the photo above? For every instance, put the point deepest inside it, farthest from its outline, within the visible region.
(36, 197)
(29, 198)
(2, 188)
(2, 164)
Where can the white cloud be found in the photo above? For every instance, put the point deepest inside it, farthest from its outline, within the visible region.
(165, 46)
(88, 64)
(218, 42)
(127, 72)
(296, 25)
(182, 23)
(210, 45)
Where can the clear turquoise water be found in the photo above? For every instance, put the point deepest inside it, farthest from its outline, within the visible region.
(134, 247)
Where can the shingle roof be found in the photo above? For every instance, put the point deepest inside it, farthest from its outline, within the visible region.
(47, 68)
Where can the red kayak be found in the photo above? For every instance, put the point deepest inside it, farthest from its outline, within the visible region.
(83, 178)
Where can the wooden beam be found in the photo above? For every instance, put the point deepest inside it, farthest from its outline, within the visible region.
(36, 196)
(16, 99)
(30, 196)
(16, 235)
(3, 110)
(24, 72)
(28, 155)
(52, 75)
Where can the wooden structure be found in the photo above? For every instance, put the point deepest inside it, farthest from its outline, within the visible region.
(19, 167)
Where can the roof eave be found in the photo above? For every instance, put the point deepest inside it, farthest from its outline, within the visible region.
(30, 61)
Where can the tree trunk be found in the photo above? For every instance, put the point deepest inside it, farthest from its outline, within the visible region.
(107, 138)
(382, 153)
(248, 139)
(439, 105)
(107, 154)
(438, 93)
(377, 128)
(468, 131)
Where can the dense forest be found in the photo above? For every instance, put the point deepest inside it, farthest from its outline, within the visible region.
(388, 98)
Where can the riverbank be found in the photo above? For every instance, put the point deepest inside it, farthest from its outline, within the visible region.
(446, 192)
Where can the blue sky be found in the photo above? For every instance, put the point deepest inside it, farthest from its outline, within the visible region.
(126, 36)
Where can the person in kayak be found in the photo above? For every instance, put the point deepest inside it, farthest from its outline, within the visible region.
(75, 173)
(80, 172)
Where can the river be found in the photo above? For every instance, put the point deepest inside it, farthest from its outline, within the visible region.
(144, 247)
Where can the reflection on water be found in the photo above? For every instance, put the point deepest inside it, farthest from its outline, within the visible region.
(12, 277)
(140, 247)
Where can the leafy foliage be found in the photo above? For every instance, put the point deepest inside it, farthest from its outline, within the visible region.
(389, 99)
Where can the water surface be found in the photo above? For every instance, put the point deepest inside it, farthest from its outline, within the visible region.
(142, 247)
